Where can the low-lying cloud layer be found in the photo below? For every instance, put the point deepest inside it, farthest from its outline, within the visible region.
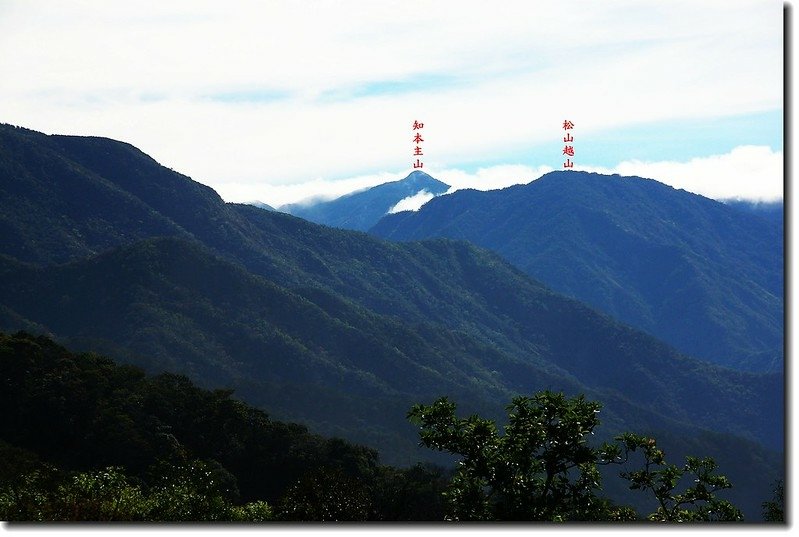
(412, 203)
(259, 99)
(753, 173)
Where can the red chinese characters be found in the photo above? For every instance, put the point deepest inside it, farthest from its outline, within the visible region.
(417, 140)
(568, 150)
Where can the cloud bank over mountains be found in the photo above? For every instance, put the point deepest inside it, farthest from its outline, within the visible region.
(261, 100)
(752, 173)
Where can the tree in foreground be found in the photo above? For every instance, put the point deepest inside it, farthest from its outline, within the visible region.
(544, 469)
(773, 509)
(326, 495)
(697, 503)
(195, 491)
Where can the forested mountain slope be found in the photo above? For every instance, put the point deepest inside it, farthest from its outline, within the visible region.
(698, 274)
(334, 328)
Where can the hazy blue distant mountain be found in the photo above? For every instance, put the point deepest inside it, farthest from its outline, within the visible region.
(262, 205)
(334, 328)
(773, 211)
(696, 273)
(361, 210)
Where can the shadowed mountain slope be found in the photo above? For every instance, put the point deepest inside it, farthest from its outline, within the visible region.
(702, 276)
(333, 328)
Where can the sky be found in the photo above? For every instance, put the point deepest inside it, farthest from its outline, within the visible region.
(277, 101)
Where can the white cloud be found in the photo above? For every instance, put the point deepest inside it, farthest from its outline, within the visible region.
(313, 81)
(412, 203)
(752, 173)
(492, 177)
(487, 178)
(318, 189)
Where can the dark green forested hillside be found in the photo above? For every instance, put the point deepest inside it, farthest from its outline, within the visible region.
(194, 312)
(54, 209)
(85, 439)
(197, 454)
(698, 274)
(313, 357)
(332, 328)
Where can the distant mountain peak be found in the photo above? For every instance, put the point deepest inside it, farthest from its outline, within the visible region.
(595, 177)
(362, 209)
(261, 205)
(419, 174)
(635, 248)
(419, 179)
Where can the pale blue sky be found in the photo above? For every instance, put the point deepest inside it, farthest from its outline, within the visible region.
(280, 100)
(673, 140)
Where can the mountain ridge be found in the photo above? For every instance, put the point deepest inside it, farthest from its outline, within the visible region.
(635, 248)
(361, 209)
(272, 304)
(163, 288)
